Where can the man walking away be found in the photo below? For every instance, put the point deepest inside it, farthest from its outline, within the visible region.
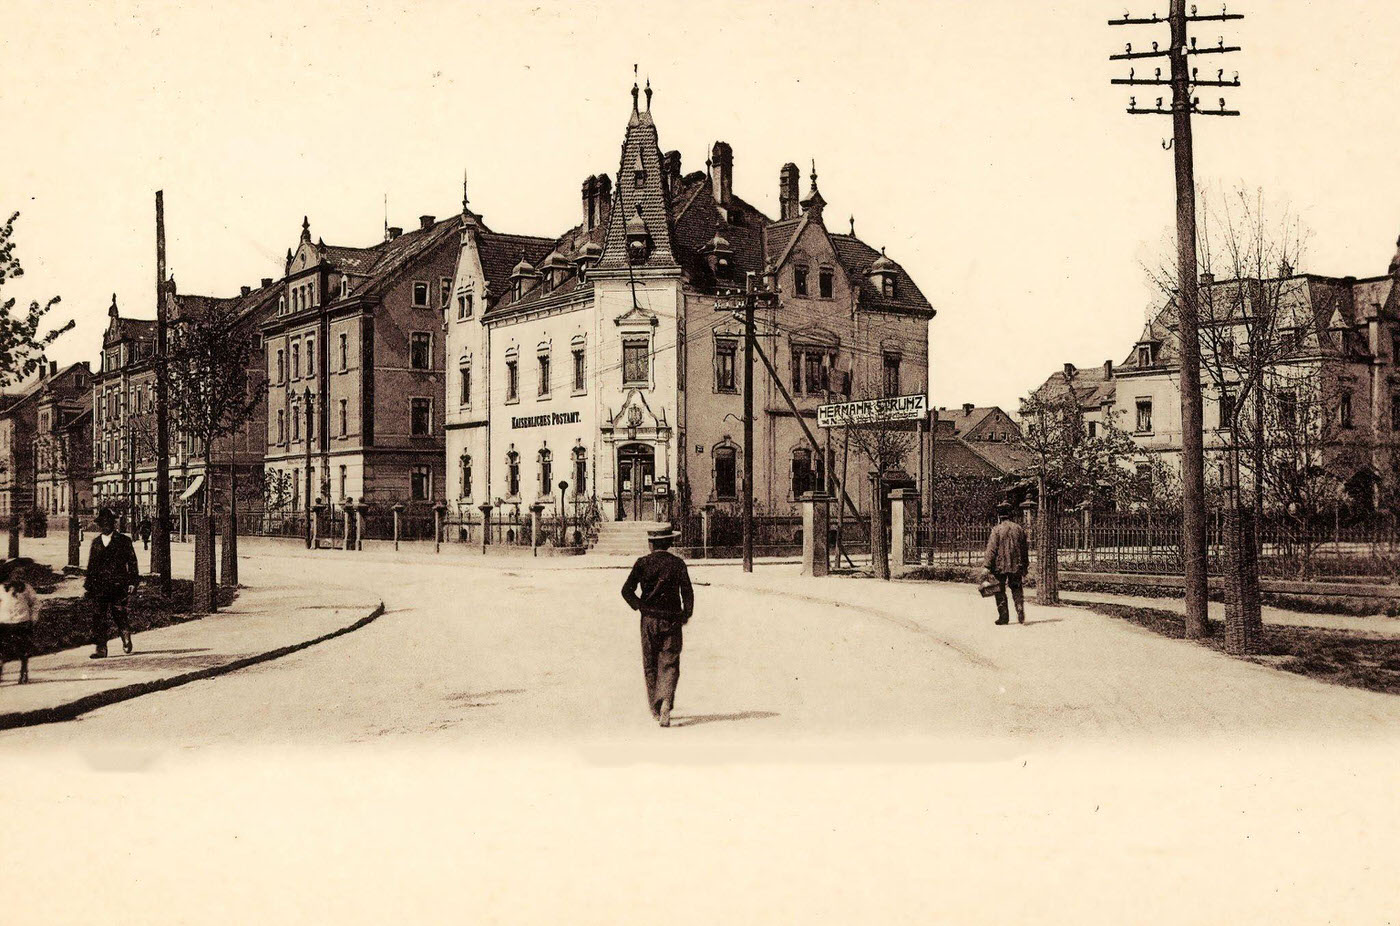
(659, 587)
(1007, 559)
(111, 575)
(145, 530)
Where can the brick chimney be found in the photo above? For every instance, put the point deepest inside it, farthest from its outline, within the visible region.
(394, 232)
(589, 196)
(245, 290)
(671, 169)
(426, 221)
(1108, 369)
(603, 202)
(787, 191)
(266, 281)
(1070, 371)
(722, 171)
(967, 408)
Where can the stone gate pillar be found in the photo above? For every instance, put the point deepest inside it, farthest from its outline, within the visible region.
(816, 516)
(902, 503)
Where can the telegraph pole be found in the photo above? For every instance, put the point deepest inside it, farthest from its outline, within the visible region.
(743, 306)
(309, 477)
(1183, 80)
(160, 531)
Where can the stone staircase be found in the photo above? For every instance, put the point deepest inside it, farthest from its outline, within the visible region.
(623, 538)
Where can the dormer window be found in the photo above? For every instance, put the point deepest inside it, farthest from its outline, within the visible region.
(344, 285)
(638, 238)
(799, 281)
(1145, 355)
(887, 286)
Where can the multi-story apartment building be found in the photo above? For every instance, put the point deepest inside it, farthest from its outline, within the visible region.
(123, 408)
(1334, 350)
(599, 359)
(63, 443)
(47, 400)
(354, 360)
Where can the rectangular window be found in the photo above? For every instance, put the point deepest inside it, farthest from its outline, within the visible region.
(891, 374)
(421, 418)
(1287, 409)
(281, 367)
(310, 357)
(296, 361)
(421, 483)
(1395, 412)
(420, 354)
(512, 381)
(1344, 410)
(342, 482)
(799, 281)
(344, 352)
(825, 282)
(464, 305)
(420, 293)
(580, 473)
(466, 381)
(726, 485)
(1144, 416)
(1144, 354)
(634, 361)
(344, 417)
(446, 295)
(725, 354)
(1093, 429)
(296, 423)
(1227, 410)
(579, 384)
(544, 374)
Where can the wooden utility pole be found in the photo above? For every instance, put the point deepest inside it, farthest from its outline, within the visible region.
(744, 306)
(309, 477)
(1183, 80)
(160, 531)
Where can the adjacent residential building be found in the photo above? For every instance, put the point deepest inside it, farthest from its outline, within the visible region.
(63, 443)
(124, 402)
(978, 441)
(598, 358)
(354, 359)
(1335, 361)
(49, 399)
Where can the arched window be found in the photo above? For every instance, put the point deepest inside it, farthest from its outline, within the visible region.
(580, 471)
(808, 472)
(725, 475)
(466, 465)
(546, 459)
(344, 285)
(513, 474)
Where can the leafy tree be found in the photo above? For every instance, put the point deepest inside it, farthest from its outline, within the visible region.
(885, 446)
(1069, 468)
(22, 346)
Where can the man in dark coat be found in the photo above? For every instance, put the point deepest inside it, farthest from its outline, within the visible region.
(659, 587)
(111, 575)
(1007, 559)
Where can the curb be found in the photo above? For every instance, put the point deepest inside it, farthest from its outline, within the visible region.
(74, 709)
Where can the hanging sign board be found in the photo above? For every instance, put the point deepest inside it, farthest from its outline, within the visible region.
(873, 411)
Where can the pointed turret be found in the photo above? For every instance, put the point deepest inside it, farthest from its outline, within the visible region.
(814, 203)
(305, 229)
(638, 226)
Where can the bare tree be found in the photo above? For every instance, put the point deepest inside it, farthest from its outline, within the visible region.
(885, 446)
(1069, 468)
(211, 397)
(65, 455)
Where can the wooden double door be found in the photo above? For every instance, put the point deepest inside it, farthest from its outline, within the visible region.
(636, 483)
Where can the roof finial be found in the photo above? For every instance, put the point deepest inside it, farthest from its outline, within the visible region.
(464, 191)
(113, 310)
(853, 226)
(634, 88)
(648, 94)
(305, 228)
(814, 173)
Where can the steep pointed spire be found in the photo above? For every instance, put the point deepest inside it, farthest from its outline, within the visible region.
(853, 226)
(648, 92)
(465, 210)
(814, 202)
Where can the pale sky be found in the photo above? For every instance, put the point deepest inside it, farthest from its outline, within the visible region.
(980, 142)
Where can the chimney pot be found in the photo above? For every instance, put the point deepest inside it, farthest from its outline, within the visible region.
(788, 196)
(1069, 370)
(1108, 369)
(245, 290)
(967, 408)
(590, 202)
(722, 160)
(426, 221)
(267, 281)
(394, 232)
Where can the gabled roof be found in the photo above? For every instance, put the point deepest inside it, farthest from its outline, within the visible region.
(857, 257)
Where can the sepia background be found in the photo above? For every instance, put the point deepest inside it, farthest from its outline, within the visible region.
(982, 144)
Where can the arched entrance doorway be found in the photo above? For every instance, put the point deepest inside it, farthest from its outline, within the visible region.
(636, 475)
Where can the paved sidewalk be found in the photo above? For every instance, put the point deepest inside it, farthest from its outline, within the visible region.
(1376, 625)
(263, 623)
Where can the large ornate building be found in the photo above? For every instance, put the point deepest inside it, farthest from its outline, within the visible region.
(34, 421)
(598, 358)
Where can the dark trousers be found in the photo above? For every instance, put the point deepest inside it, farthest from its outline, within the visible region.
(1011, 580)
(105, 613)
(661, 660)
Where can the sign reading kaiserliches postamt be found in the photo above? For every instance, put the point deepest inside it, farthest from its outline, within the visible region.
(873, 411)
(541, 421)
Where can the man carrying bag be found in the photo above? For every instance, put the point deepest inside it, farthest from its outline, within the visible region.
(1007, 560)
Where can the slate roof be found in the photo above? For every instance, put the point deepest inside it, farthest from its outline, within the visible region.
(640, 151)
(857, 256)
(1092, 386)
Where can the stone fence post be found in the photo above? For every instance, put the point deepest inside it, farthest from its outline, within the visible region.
(816, 516)
(902, 503)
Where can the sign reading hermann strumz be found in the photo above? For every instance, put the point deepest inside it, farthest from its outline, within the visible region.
(873, 411)
(540, 421)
